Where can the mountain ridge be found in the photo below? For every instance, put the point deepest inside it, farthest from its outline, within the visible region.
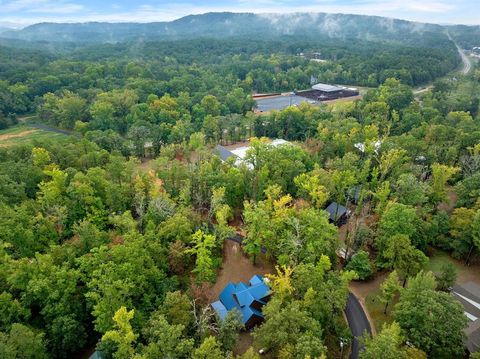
(228, 24)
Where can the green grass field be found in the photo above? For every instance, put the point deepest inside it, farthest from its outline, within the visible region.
(375, 308)
(23, 134)
(438, 260)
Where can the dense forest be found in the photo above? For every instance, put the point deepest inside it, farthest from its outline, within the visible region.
(189, 70)
(112, 237)
(227, 25)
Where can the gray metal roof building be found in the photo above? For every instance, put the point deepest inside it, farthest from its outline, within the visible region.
(336, 212)
(326, 88)
(318, 93)
(468, 294)
(223, 153)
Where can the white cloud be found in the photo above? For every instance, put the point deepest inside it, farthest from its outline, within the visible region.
(39, 6)
(57, 9)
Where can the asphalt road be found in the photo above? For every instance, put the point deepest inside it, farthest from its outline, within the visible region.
(467, 64)
(358, 323)
(41, 126)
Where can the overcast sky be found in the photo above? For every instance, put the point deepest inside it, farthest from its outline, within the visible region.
(32, 11)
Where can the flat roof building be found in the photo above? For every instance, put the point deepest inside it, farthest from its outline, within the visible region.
(318, 93)
(326, 88)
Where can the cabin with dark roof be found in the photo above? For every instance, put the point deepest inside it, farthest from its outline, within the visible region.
(354, 193)
(223, 153)
(337, 213)
(247, 299)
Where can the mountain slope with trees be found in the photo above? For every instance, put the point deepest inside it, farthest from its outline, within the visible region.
(222, 25)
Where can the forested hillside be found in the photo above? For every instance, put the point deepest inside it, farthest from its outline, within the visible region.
(466, 36)
(221, 25)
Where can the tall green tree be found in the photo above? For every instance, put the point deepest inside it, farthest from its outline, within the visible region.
(389, 288)
(401, 256)
(229, 330)
(432, 321)
(165, 340)
(360, 264)
(441, 174)
(388, 344)
(205, 262)
(209, 349)
(21, 342)
(122, 336)
(447, 277)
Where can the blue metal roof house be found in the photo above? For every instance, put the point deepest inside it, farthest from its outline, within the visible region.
(248, 299)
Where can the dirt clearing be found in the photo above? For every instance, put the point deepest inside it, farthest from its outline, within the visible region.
(237, 267)
(9, 136)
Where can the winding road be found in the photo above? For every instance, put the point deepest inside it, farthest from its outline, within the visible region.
(467, 64)
(358, 323)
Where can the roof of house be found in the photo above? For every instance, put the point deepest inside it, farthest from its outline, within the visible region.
(278, 142)
(355, 192)
(473, 334)
(250, 312)
(335, 211)
(220, 309)
(223, 153)
(226, 296)
(326, 88)
(241, 152)
(243, 297)
(256, 279)
(361, 146)
(473, 289)
(96, 355)
(468, 294)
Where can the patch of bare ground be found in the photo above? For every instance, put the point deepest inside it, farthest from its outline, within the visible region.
(244, 342)
(465, 273)
(145, 165)
(469, 273)
(16, 135)
(344, 99)
(450, 204)
(342, 232)
(237, 267)
(361, 289)
(236, 145)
